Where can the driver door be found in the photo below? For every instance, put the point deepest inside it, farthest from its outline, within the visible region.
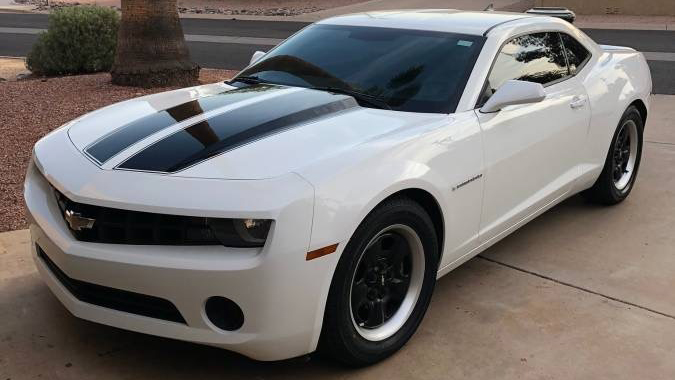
(532, 151)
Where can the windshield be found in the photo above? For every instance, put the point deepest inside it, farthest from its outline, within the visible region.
(408, 70)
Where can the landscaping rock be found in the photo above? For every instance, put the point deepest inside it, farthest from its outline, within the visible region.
(34, 107)
(23, 75)
(43, 5)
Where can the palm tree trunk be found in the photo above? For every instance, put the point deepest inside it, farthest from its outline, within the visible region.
(151, 49)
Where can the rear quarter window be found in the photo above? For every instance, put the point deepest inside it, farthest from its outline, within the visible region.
(577, 54)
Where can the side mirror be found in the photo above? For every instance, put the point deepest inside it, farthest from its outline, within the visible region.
(514, 92)
(256, 56)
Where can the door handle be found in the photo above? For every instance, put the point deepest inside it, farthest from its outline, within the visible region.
(578, 102)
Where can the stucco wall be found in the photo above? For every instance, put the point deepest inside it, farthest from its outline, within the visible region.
(625, 7)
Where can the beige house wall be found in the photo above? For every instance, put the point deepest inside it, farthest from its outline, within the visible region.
(622, 7)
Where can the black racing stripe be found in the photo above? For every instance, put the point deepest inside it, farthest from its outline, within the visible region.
(235, 128)
(129, 134)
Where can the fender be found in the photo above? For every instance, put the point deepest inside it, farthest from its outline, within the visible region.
(612, 72)
(344, 225)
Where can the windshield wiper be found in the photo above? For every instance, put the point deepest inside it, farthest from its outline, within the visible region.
(248, 79)
(359, 96)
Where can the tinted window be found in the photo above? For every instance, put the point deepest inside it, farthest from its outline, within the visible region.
(411, 70)
(537, 57)
(576, 52)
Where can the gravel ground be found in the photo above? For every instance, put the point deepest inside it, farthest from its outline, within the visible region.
(226, 7)
(29, 109)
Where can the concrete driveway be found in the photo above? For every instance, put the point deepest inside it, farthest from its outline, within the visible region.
(582, 292)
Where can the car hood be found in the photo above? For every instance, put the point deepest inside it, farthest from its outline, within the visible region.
(220, 131)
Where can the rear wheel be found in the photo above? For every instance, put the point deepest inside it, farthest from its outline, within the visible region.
(382, 284)
(622, 163)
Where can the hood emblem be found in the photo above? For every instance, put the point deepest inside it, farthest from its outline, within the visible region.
(77, 222)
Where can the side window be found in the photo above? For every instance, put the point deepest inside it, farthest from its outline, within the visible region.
(537, 57)
(577, 55)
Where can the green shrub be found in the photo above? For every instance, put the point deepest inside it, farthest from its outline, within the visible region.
(80, 39)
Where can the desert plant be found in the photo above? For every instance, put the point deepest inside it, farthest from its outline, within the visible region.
(80, 39)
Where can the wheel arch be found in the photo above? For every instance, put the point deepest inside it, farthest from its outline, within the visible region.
(430, 205)
(642, 108)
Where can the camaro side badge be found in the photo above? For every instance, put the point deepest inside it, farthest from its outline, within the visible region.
(77, 222)
(468, 181)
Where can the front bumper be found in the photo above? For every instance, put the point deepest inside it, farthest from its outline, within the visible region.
(282, 295)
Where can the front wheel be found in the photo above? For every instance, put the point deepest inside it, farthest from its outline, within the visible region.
(382, 284)
(622, 163)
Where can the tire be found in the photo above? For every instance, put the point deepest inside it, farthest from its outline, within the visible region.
(607, 190)
(355, 330)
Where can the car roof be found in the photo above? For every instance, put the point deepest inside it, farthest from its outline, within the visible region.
(442, 20)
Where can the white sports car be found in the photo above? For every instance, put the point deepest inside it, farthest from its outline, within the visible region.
(313, 201)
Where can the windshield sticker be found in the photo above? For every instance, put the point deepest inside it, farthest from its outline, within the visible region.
(464, 43)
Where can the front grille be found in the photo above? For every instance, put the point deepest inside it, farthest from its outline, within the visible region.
(116, 299)
(118, 226)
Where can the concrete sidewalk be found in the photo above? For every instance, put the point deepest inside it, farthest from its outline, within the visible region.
(625, 22)
(582, 292)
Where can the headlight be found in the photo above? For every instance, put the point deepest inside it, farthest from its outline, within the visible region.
(241, 232)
